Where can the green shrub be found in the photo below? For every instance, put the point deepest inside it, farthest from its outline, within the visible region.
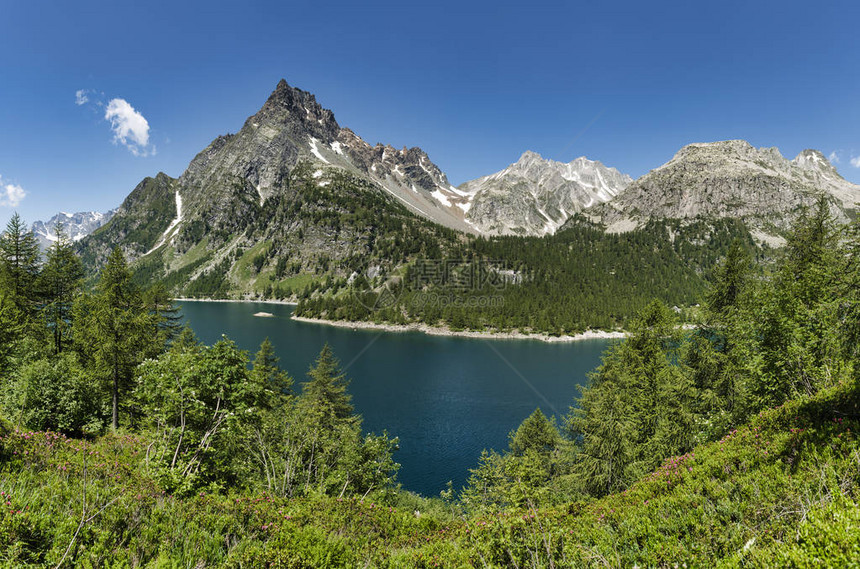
(56, 394)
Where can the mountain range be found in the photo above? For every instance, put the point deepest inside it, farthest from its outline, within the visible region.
(293, 184)
(535, 196)
(732, 179)
(75, 225)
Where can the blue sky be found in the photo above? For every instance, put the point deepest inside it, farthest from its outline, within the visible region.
(473, 83)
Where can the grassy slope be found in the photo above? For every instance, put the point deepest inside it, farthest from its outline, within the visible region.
(781, 491)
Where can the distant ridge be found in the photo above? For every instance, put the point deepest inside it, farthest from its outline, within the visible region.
(76, 225)
(732, 179)
(535, 196)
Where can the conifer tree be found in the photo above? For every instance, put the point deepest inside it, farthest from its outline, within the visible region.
(848, 287)
(730, 280)
(325, 394)
(277, 385)
(798, 329)
(60, 282)
(113, 329)
(10, 329)
(167, 316)
(20, 258)
(633, 412)
(536, 433)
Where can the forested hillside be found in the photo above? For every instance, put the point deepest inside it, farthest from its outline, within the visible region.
(577, 279)
(126, 443)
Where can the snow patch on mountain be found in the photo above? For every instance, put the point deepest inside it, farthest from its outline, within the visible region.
(316, 151)
(171, 229)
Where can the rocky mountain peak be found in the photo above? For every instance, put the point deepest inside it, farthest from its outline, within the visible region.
(811, 159)
(529, 157)
(296, 109)
(812, 155)
(535, 196)
(722, 149)
(292, 98)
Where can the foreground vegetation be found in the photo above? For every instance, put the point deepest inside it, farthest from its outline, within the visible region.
(781, 491)
(127, 444)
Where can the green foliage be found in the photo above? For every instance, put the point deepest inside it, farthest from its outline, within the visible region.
(635, 410)
(798, 339)
(828, 537)
(665, 389)
(780, 491)
(114, 331)
(19, 253)
(314, 444)
(577, 279)
(761, 342)
(730, 444)
(165, 314)
(216, 424)
(536, 433)
(195, 400)
(60, 282)
(267, 373)
(524, 475)
(11, 328)
(56, 394)
(47, 386)
(325, 395)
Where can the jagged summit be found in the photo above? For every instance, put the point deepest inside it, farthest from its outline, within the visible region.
(292, 127)
(285, 96)
(810, 154)
(811, 159)
(535, 196)
(529, 157)
(76, 226)
(292, 106)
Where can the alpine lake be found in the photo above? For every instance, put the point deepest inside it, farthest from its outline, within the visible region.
(446, 397)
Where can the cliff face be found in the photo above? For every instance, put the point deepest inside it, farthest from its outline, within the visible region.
(732, 179)
(535, 196)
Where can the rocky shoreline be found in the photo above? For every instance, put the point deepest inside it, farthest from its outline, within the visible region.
(427, 329)
(242, 300)
(443, 331)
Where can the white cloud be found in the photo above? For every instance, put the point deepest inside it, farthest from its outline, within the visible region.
(834, 157)
(129, 127)
(10, 194)
(855, 161)
(81, 97)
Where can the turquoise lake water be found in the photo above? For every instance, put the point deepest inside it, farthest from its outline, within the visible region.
(447, 398)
